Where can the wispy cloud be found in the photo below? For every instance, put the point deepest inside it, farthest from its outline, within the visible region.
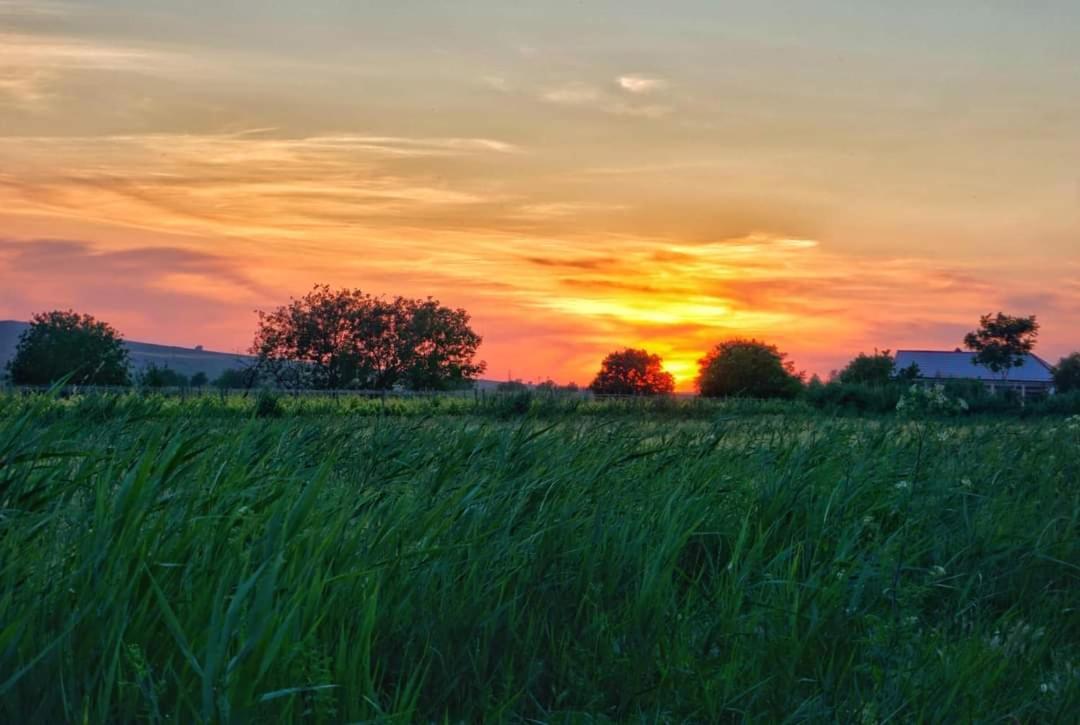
(583, 95)
(641, 83)
(32, 65)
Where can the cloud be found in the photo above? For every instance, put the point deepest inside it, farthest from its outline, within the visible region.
(34, 64)
(35, 9)
(153, 293)
(245, 184)
(641, 84)
(583, 95)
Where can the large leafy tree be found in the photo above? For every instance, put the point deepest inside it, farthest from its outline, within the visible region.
(1067, 374)
(1001, 341)
(345, 338)
(876, 369)
(747, 368)
(61, 343)
(632, 372)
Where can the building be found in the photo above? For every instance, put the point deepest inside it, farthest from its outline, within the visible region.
(1034, 378)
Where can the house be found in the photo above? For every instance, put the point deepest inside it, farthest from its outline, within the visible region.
(1033, 378)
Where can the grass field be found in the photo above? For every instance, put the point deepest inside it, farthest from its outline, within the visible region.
(188, 561)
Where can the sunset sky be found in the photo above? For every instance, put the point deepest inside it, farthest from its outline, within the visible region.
(827, 176)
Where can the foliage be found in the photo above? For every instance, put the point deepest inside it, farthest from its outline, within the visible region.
(1067, 374)
(268, 405)
(333, 339)
(837, 396)
(61, 343)
(632, 372)
(747, 368)
(922, 400)
(200, 380)
(908, 373)
(237, 378)
(511, 386)
(876, 369)
(155, 376)
(191, 568)
(1002, 341)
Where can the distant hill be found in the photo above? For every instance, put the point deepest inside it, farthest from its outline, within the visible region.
(184, 360)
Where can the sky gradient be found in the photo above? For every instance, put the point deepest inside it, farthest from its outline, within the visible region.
(829, 176)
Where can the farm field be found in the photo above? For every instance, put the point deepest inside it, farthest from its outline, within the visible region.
(342, 561)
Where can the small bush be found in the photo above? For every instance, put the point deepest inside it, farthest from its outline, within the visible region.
(268, 405)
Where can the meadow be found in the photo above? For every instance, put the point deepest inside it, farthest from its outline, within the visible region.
(225, 559)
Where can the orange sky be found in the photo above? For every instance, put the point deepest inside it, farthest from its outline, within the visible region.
(580, 177)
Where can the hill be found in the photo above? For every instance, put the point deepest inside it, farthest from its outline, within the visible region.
(184, 360)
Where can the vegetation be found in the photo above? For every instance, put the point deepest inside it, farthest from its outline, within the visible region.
(747, 368)
(876, 369)
(237, 378)
(1001, 341)
(1067, 374)
(632, 372)
(158, 376)
(60, 345)
(187, 561)
(334, 339)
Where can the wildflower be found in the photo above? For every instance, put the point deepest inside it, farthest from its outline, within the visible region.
(966, 483)
(903, 486)
(939, 570)
(867, 520)
(1044, 688)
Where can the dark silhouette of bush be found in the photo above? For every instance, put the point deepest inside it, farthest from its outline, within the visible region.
(268, 405)
(747, 368)
(1067, 374)
(876, 369)
(65, 343)
(632, 372)
(155, 376)
(237, 378)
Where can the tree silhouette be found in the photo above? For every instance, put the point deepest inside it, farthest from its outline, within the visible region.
(60, 343)
(876, 369)
(632, 372)
(1067, 374)
(1002, 341)
(747, 368)
(345, 338)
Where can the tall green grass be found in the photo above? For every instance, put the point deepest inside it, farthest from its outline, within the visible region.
(177, 563)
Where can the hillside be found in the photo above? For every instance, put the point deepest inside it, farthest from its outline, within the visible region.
(184, 360)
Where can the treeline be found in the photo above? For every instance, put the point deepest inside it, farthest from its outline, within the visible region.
(346, 339)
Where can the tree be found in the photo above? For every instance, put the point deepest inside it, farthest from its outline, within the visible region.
(511, 386)
(876, 369)
(200, 380)
(61, 342)
(632, 372)
(1002, 341)
(748, 368)
(154, 376)
(348, 339)
(1067, 374)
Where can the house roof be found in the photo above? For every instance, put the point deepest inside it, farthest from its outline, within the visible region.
(940, 364)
